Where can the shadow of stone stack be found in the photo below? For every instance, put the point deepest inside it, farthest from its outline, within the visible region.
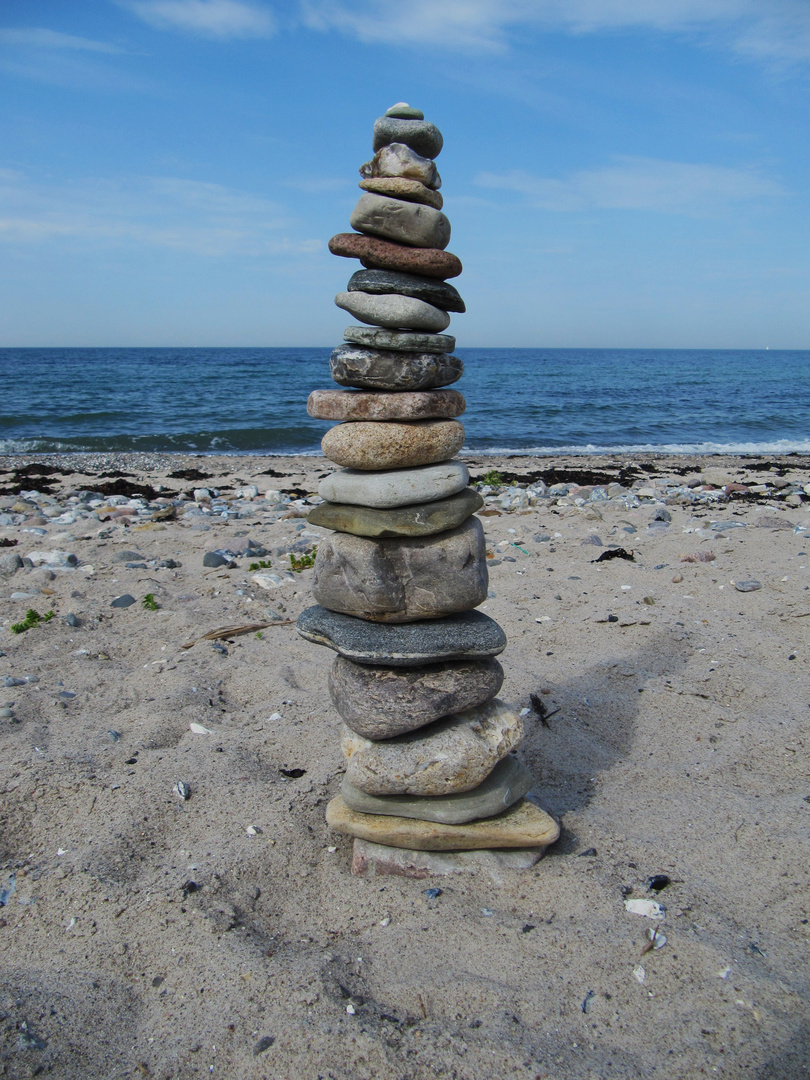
(427, 742)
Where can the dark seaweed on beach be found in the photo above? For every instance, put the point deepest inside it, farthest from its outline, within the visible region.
(615, 553)
(127, 489)
(189, 474)
(625, 475)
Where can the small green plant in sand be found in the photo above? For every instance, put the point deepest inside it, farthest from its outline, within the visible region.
(150, 603)
(259, 635)
(262, 564)
(32, 619)
(493, 478)
(302, 562)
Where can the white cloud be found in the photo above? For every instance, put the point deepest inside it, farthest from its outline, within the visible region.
(40, 38)
(221, 19)
(765, 28)
(186, 215)
(641, 184)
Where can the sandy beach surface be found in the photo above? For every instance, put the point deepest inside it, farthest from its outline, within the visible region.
(224, 935)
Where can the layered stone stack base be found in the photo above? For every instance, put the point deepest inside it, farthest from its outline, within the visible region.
(431, 783)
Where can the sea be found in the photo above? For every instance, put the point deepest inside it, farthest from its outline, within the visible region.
(519, 401)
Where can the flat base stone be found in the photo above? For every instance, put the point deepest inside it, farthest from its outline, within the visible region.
(509, 781)
(370, 859)
(424, 519)
(524, 825)
(455, 637)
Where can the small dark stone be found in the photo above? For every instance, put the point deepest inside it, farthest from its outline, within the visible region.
(293, 774)
(661, 515)
(71, 619)
(123, 601)
(527, 928)
(588, 853)
(169, 564)
(263, 1044)
(613, 618)
(189, 887)
(214, 559)
(658, 882)
(431, 894)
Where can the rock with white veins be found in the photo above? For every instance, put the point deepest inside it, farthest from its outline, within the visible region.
(454, 754)
(397, 159)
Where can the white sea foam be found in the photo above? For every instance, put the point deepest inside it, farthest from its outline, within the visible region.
(774, 446)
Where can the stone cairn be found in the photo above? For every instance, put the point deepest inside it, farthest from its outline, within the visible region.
(427, 743)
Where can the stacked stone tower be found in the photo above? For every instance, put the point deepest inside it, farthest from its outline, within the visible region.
(426, 740)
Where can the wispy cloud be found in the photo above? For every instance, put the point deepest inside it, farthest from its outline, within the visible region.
(41, 38)
(766, 28)
(222, 19)
(642, 184)
(186, 215)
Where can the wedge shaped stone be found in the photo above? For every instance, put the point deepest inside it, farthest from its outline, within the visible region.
(386, 369)
(402, 580)
(397, 159)
(424, 519)
(523, 825)
(380, 702)
(454, 754)
(456, 637)
(396, 487)
(432, 291)
(392, 444)
(508, 782)
(375, 252)
(357, 405)
(393, 311)
(401, 221)
(400, 188)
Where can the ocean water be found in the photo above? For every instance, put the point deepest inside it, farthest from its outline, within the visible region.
(537, 401)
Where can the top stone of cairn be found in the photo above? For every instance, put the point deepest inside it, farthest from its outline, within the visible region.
(403, 111)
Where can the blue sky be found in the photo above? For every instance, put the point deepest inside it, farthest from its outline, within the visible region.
(618, 173)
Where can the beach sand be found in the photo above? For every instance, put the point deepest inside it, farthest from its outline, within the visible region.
(224, 935)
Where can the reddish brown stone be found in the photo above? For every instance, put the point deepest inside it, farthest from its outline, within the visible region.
(378, 254)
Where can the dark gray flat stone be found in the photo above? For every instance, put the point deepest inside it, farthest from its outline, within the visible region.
(424, 519)
(423, 137)
(385, 369)
(431, 290)
(375, 337)
(454, 637)
(508, 782)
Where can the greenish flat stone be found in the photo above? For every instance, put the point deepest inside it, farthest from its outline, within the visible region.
(424, 519)
(403, 111)
(508, 782)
